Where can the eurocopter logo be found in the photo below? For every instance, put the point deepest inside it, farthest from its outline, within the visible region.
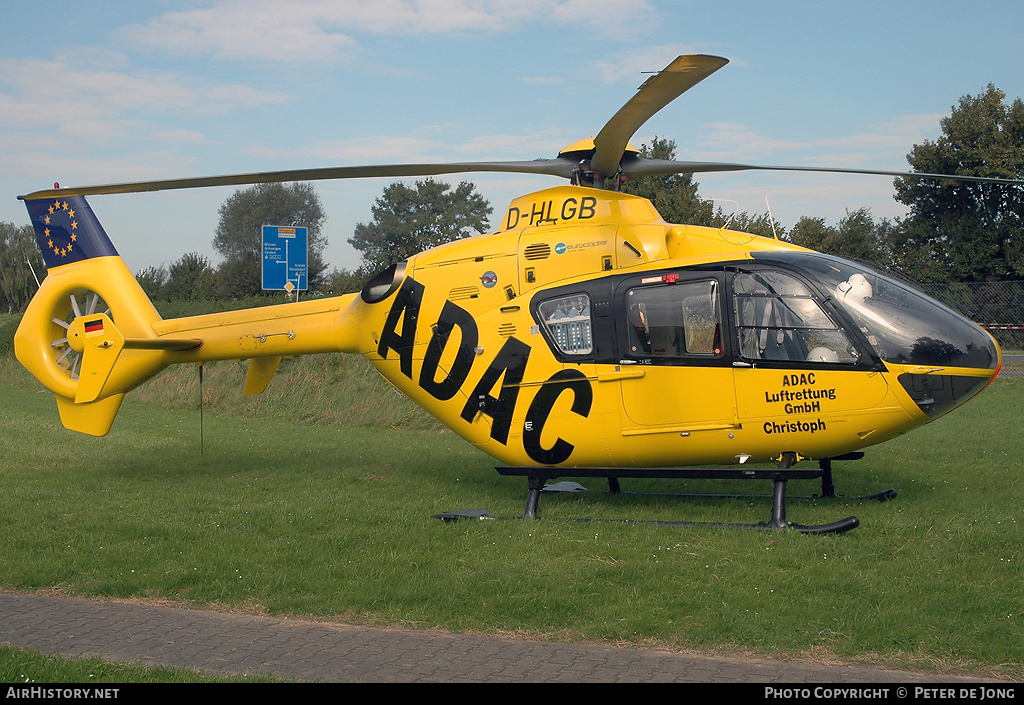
(561, 248)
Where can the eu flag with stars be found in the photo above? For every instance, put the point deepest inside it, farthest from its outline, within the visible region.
(67, 230)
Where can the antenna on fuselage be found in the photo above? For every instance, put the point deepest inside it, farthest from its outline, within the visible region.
(770, 218)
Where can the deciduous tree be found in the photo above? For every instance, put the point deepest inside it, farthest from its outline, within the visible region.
(975, 229)
(153, 280)
(674, 196)
(857, 236)
(239, 235)
(19, 258)
(190, 278)
(409, 220)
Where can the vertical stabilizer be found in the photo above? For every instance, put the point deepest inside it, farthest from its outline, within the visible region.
(68, 231)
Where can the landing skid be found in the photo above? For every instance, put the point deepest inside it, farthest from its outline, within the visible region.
(828, 488)
(537, 477)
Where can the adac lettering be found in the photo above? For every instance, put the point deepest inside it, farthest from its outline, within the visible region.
(801, 397)
(508, 366)
(540, 408)
(503, 375)
(547, 213)
(406, 308)
(452, 316)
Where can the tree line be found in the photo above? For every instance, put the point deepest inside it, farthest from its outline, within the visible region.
(955, 231)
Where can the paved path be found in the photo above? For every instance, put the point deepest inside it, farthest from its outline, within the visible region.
(304, 650)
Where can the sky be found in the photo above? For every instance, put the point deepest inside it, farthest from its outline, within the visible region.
(107, 91)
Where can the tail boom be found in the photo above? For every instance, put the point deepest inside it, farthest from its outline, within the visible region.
(91, 334)
(127, 345)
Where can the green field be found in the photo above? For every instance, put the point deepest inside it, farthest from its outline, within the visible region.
(316, 500)
(25, 666)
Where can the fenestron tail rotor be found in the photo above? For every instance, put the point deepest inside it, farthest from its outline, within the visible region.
(80, 304)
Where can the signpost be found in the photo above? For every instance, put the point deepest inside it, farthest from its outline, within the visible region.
(285, 258)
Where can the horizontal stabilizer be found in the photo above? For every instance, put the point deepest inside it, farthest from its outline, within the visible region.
(173, 344)
(101, 344)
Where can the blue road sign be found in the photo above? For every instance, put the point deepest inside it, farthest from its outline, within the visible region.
(285, 252)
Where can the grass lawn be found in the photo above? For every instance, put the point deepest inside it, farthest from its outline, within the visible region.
(297, 510)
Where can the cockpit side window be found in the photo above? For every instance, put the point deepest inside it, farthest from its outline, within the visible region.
(901, 324)
(675, 320)
(777, 318)
(567, 321)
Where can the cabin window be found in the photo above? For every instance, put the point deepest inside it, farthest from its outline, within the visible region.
(777, 318)
(675, 320)
(568, 325)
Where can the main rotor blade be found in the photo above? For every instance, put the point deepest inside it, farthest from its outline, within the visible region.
(656, 92)
(660, 167)
(553, 167)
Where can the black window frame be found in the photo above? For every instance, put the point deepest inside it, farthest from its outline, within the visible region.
(667, 279)
(601, 321)
(609, 317)
(867, 360)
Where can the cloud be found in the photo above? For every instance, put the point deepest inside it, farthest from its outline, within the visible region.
(95, 104)
(374, 149)
(637, 64)
(179, 136)
(274, 31)
(303, 30)
(883, 145)
(50, 92)
(738, 142)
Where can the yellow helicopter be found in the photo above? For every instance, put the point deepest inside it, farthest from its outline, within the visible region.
(586, 337)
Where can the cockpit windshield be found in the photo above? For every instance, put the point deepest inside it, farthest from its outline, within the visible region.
(903, 325)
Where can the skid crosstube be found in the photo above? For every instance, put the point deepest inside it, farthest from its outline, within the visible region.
(538, 476)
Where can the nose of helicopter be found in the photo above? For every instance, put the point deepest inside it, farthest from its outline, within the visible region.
(937, 390)
(937, 386)
(940, 357)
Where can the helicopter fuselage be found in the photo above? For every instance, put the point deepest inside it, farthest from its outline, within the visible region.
(588, 332)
